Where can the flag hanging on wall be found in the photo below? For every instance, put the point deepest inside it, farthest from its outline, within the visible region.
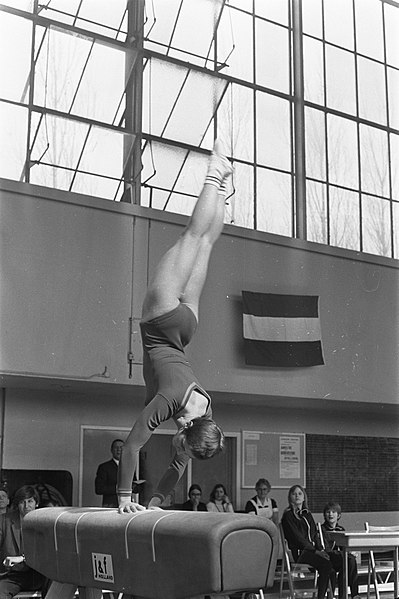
(281, 330)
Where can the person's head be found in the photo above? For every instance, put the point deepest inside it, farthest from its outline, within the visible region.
(262, 488)
(4, 500)
(195, 493)
(297, 498)
(26, 499)
(332, 513)
(218, 493)
(202, 438)
(116, 448)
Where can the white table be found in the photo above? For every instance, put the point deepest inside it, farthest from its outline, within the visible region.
(368, 541)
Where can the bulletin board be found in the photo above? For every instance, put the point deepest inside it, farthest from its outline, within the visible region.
(279, 457)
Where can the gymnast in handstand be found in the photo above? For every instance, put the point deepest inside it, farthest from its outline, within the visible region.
(169, 320)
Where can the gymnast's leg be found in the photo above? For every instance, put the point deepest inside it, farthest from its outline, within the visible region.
(181, 272)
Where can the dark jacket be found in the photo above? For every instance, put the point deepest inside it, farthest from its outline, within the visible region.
(11, 540)
(329, 542)
(105, 483)
(188, 506)
(300, 531)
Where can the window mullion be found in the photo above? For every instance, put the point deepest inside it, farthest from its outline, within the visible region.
(299, 121)
(134, 101)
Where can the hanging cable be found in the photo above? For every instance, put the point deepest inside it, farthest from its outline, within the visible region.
(220, 65)
(38, 161)
(231, 197)
(41, 7)
(146, 19)
(154, 170)
(233, 45)
(119, 30)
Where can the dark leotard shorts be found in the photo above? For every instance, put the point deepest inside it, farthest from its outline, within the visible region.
(167, 372)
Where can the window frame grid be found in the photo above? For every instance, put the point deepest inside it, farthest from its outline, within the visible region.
(131, 120)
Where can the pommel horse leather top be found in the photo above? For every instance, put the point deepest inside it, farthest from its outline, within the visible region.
(152, 554)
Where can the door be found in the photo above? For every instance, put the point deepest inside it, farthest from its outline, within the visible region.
(157, 454)
(155, 458)
(220, 469)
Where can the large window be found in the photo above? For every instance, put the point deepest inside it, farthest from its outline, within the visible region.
(122, 100)
(233, 81)
(351, 60)
(63, 95)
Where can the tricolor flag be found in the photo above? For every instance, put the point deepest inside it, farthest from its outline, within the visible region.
(281, 330)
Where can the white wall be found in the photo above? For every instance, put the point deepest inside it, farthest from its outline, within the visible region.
(74, 269)
(66, 273)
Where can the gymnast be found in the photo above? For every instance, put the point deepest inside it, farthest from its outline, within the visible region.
(169, 320)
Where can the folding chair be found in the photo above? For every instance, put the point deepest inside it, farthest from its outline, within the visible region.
(301, 578)
(380, 571)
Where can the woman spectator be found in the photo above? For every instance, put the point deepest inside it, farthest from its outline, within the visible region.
(15, 574)
(194, 503)
(261, 504)
(302, 537)
(219, 501)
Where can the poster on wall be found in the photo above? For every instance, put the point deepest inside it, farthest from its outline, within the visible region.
(278, 456)
(290, 456)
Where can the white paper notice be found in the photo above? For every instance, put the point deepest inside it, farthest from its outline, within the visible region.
(251, 454)
(290, 457)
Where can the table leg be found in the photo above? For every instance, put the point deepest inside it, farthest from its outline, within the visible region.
(396, 572)
(368, 575)
(345, 573)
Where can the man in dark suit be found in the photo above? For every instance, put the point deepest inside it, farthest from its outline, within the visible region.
(15, 574)
(107, 474)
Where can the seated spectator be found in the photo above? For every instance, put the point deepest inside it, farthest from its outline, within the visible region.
(15, 574)
(219, 501)
(261, 504)
(49, 496)
(4, 499)
(51, 504)
(303, 539)
(194, 503)
(332, 513)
